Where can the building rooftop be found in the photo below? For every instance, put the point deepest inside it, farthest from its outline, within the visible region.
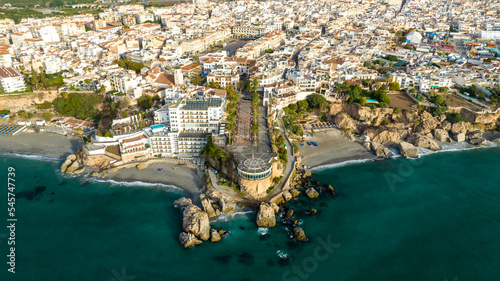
(202, 104)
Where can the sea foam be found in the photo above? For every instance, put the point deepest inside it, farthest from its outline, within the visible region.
(168, 187)
(228, 217)
(462, 146)
(28, 156)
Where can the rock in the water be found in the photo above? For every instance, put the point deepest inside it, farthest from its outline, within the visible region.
(496, 140)
(407, 149)
(311, 212)
(441, 135)
(312, 193)
(79, 171)
(73, 167)
(294, 192)
(188, 239)
(214, 236)
(142, 165)
(287, 195)
(68, 162)
(478, 141)
(380, 150)
(195, 221)
(459, 137)
(299, 235)
(423, 141)
(223, 233)
(265, 216)
(289, 213)
(182, 202)
(275, 207)
(208, 208)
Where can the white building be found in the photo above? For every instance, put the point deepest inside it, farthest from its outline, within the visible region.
(11, 80)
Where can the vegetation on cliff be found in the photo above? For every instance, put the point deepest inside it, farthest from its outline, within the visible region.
(78, 105)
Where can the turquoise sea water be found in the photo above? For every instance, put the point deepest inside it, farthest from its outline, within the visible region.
(433, 218)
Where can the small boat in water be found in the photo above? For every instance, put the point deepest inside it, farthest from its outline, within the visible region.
(160, 169)
(85, 183)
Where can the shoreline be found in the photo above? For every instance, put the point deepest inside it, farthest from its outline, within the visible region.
(51, 146)
(334, 150)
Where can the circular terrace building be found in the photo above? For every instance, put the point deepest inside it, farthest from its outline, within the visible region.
(255, 172)
(255, 168)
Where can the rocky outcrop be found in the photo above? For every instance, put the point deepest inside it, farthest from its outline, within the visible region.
(478, 141)
(294, 192)
(69, 160)
(423, 141)
(428, 123)
(73, 167)
(214, 236)
(387, 137)
(346, 122)
(265, 216)
(441, 135)
(407, 149)
(459, 128)
(459, 137)
(188, 239)
(275, 207)
(287, 196)
(312, 193)
(195, 221)
(182, 202)
(215, 203)
(299, 234)
(79, 171)
(380, 150)
(475, 135)
(142, 166)
(289, 213)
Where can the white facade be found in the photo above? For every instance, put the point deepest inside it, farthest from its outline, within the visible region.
(11, 80)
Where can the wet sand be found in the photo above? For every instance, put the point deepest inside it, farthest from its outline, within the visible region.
(333, 147)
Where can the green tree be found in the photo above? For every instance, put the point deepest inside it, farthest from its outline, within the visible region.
(195, 78)
(302, 105)
(145, 102)
(48, 116)
(316, 101)
(394, 86)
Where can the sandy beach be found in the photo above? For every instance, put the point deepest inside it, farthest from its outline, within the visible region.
(333, 147)
(42, 144)
(58, 146)
(183, 176)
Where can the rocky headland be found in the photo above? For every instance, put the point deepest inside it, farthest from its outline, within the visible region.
(406, 130)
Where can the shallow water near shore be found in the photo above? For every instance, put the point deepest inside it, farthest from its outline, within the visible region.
(432, 218)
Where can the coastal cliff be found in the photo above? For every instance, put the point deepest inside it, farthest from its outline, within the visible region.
(406, 130)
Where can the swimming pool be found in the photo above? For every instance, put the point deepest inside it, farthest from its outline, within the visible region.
(372, 101)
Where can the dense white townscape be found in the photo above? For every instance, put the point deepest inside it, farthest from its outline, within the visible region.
(188, 58)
